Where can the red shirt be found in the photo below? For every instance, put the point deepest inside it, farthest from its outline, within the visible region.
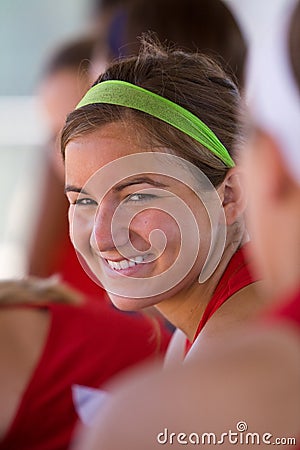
(86, 345)
(290, 311)
(236, 276)
(68, 266)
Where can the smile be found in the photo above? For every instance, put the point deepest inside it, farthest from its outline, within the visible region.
(125, 263)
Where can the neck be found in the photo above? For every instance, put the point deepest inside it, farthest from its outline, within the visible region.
(185, 309)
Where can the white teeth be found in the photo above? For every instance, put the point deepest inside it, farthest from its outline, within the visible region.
(125, 263)
(138, 259)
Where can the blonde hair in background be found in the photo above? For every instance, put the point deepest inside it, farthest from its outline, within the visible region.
(37, 290)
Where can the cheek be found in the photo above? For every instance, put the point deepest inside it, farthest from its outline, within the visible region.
(80, 229)
(148, 222)
(204, 225)
(171, 236)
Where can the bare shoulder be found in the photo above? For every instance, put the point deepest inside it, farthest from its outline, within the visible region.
(23, 327)
(240, 310)
(25, 330)
(246, 304)
(252, 379)
(176, 349)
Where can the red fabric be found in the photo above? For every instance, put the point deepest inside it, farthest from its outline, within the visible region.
(86, 345)
(236, 276)
(290, 311)
(72, 272)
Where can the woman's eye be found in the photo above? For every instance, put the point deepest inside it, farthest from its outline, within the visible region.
(140, 197)
(84, 202)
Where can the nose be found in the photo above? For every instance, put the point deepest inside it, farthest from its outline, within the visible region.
(107, 234)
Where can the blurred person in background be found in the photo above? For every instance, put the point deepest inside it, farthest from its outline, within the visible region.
(245, 392)
(206, 26)
(54, 342)
(106, 21)
(65, 79)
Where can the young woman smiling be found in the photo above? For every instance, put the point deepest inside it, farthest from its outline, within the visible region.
(156, 204)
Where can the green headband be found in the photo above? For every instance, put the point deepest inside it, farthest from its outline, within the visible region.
(121, 93)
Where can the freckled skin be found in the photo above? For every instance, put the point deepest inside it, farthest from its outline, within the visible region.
(86, 155)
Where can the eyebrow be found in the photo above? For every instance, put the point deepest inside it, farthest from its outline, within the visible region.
(71, 188)
(139, 180)
(120, 186)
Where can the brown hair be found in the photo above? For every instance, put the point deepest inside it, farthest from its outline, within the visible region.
(37, 290)
(193, 81)
(74, 55)
(205, 26)
(295, 43)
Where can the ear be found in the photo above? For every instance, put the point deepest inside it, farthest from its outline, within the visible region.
(233, 196)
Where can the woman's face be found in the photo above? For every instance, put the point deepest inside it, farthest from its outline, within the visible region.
(134, 217)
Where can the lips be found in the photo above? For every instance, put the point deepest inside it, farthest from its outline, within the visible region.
(126, 263)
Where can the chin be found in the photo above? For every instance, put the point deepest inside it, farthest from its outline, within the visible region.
(132, 304)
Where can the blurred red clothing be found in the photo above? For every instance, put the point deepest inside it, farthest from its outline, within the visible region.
(86, 345)
(73, 271)
(236, 276)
